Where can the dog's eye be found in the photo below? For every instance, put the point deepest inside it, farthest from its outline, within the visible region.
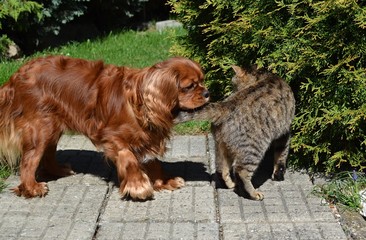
(190, 86)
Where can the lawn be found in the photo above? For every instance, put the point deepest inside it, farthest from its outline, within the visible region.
(128, 48)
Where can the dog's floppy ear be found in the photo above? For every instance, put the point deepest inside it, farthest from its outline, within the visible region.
(160, 92)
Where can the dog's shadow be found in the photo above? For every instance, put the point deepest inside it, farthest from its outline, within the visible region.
(94, 163)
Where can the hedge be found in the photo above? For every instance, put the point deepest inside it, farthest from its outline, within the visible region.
(319, 47)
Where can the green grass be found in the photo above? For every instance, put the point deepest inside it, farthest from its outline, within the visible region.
(343, 189)
(128, 48)
(192, 128)
(4, 173)
(7, 69)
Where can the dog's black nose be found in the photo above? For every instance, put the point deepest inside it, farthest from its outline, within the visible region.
(206, 94)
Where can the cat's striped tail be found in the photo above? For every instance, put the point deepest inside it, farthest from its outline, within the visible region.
(9, 138)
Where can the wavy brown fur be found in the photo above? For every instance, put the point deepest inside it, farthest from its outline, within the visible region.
(127, 112)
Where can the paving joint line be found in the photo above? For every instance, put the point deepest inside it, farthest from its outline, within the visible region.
(209, 151)
(103, 207)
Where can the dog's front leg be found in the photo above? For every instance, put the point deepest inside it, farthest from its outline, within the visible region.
(134, 182)
(29, 187)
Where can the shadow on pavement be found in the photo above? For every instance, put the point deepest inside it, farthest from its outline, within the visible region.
(261, 175)
(94, 163)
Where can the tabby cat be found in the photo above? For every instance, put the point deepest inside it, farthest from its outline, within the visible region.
(255, 117)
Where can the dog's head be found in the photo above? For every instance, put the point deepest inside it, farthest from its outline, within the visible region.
(176, 82)
(191, 91)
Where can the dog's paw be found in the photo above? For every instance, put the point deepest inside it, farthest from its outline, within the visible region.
(170, 184)
(137, 189)
(35, 190)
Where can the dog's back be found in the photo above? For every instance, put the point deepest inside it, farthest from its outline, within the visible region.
(40, 89)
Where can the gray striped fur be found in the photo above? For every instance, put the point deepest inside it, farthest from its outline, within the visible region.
(246, 124)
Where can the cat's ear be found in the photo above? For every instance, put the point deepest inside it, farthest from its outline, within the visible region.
(238, 70)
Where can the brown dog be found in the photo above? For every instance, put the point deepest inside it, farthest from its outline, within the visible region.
(126, 112)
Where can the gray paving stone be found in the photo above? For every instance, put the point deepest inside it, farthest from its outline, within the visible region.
(283, 231)
(34, 227)
(158, 230)
(208, 231)
(134, 230)
(184, 230)
(12, 226)
(263, 231)
(308, 231)
(180, 147)
(58, 229)
(234, 231)
(330, 231)
(197, 146)
(110, 231)
(88, 205)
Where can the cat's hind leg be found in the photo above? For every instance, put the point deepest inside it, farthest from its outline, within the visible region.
(281, 149)
(224, 164)
(246, 173)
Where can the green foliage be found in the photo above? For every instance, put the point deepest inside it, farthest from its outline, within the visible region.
(13, 10)
(4, 43)
(66, 20)
(319, 47)
(59, 12)
(343, 189)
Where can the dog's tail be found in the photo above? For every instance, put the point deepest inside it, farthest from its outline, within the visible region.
(10, 147)
(213, 112)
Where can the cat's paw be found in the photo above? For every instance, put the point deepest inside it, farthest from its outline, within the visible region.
(279, 173)
(256, 195)
(229, 183)
(278, 176)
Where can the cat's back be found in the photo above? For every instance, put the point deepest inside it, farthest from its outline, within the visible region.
(272, 93)
(264, 107)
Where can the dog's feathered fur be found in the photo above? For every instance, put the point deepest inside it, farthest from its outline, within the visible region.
(126, 112)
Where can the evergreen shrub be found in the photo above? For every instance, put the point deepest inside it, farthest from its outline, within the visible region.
(11, 11)
(319, 47)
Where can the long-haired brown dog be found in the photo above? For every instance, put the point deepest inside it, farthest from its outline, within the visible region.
(126, 112)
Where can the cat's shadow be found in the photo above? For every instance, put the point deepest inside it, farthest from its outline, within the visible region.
(94, 163)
